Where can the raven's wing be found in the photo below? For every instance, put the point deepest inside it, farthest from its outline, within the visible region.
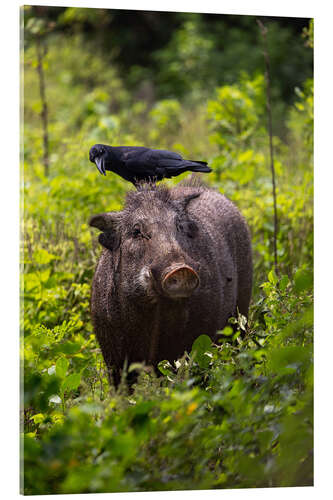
(174, 164)
(148, 161)
(134, 158)
(125, 153)
(162, 157)
(164, 161)
(129, 161)
(144, 162)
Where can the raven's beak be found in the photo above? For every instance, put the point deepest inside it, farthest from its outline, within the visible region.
(100, 165)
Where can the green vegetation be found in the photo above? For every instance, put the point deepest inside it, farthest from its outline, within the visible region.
(232, 415)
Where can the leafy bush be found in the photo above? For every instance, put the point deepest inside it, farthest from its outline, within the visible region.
(241, 167)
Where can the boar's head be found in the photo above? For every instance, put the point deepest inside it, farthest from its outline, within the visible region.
(153, 243)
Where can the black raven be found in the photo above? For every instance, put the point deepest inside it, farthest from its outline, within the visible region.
(139, 164)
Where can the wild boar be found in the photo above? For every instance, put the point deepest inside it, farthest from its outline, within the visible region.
(176, 263)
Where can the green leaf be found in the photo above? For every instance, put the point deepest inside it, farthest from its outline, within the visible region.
(303, 280)
(200, 346)
(272, 278)
(42, 256)
(283, 282)
(227, 331)
(72, 382)
(70, 347)
(61, 367)
(38, 418)
(242, 321)
(44, 275)
(165, 367)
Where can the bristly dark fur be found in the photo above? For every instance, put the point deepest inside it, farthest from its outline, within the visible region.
(148, 191)
(153, 194)
(163, 191)
(188, 225)
(195, 181)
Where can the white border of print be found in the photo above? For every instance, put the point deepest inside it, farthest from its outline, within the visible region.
(10, 133)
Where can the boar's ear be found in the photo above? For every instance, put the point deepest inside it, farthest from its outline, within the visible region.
(109, 239)
(183, 202)
(106, 221)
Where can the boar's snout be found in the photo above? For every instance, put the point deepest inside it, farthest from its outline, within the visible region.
(180, 281)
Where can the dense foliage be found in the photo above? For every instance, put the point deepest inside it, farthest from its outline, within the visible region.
(232, 415)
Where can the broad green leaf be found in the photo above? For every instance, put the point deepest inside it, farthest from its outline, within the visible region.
(283, 283)
(44, 275)
(199, 348)
(38, 418)
(70, 347)
(61, 367)
(71, 382)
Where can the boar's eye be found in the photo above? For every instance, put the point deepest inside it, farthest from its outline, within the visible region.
(136, 231)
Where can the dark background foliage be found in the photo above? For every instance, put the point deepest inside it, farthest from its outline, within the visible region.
(167, 54)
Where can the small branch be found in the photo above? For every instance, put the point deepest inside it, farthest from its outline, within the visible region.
(270, 131)
(44, 113)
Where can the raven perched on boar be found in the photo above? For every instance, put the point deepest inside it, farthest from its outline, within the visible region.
(139, 164)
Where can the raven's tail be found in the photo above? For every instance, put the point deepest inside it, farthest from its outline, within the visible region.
(198, 166)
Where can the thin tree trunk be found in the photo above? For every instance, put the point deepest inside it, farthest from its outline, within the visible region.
(270, 132)
(44, 113)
